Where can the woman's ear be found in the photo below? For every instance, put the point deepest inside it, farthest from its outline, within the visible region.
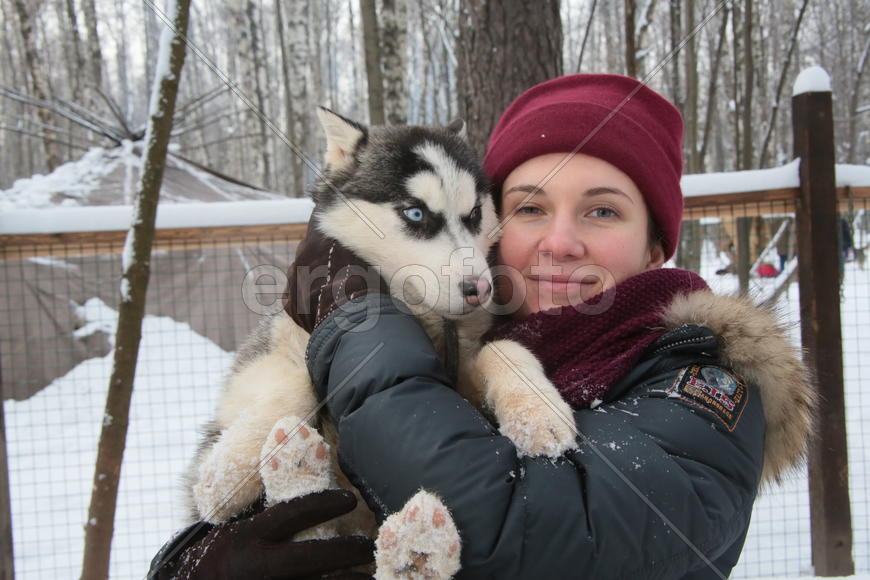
(656, 256)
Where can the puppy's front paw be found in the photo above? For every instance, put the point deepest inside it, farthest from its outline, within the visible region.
(535, 427)
(228, 480)
(529, 409)
(295, 461)
(419, 542)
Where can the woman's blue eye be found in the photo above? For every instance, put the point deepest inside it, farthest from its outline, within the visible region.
(603, 212)
(527, 210)
(415, 214)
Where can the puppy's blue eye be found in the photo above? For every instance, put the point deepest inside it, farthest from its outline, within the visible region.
(415, 214)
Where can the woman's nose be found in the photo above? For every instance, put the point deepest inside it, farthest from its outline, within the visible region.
(562, 240)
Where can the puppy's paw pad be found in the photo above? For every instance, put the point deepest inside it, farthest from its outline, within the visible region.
(419, 542)
(295, 461)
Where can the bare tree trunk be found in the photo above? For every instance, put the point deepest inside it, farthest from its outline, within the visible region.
(38, 80)
(250, 156)
(506, 48)
(613, 29)
(314, 22)
(331, 81)
(641, 27)
(256, 73)
(134, 286)
(771, 121)
(691, 240)
(748, 85)
(394, 17)
(630, 39)
(76, 57)
(676, 26)
(375, 80)
(355, 55)
(711, 88)
(586, 36)
(298, 86)
(735, 80)
(126, 106)
(428, 69)
(691, 110)
(94, 52)
(289, 128)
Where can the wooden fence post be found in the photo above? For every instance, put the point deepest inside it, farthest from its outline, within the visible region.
(7, 560)
(818, 263)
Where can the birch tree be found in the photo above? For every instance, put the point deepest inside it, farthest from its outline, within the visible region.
(298, 82)
(394, 17)
(256, 74)
(136, 270)
(38, 78)
(76, 55)
(89, 10)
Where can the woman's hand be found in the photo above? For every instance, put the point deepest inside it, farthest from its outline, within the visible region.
(262, 546)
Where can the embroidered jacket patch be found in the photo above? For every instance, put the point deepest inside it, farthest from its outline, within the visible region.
(713, 389)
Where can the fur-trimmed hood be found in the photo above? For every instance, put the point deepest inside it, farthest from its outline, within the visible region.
(755, 345)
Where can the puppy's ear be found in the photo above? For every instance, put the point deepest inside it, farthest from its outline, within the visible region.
(343, 138)
(457, 127)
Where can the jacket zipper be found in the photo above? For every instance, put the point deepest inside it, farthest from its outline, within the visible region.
(680, 343)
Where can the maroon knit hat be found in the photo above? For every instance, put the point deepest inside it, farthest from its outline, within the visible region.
(611, 117)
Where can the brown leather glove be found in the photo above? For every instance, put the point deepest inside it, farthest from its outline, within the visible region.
(325, 275)
(262, 547)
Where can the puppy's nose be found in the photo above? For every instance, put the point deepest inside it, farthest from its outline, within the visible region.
(476, 290)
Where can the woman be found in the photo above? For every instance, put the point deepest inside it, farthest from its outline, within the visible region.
(683, 402)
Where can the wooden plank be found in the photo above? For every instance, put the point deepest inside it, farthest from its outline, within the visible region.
(22, 246)
(818, 234)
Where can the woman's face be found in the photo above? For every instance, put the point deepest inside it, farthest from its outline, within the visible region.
(584, 230)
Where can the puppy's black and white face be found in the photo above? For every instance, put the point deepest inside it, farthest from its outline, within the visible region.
(414, 202)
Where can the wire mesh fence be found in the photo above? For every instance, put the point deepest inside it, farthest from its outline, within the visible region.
(58, 311)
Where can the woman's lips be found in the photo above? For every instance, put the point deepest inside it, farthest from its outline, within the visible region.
(563, 280)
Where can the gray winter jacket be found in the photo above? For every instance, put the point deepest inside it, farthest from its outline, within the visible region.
(661, 486)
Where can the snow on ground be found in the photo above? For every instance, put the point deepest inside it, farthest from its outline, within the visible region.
(52, 443)
(52, 440)
(778, 543)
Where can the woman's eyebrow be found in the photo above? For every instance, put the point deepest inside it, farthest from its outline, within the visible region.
(525, 189)
(604, 190)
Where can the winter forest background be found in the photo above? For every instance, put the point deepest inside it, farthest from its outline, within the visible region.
(257, 68)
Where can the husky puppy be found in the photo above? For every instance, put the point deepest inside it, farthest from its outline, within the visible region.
(413, 201)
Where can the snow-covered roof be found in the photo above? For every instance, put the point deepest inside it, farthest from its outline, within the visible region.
(188, 215)
(784, 177)
(110, 177)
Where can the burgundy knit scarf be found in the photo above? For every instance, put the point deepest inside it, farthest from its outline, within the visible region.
(586, 349)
